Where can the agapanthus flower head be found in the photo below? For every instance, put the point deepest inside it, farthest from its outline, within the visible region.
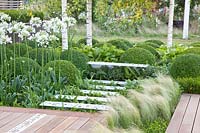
(35, 22)
(24, 33)
(5, 39)
(70, 21)
(82, 16)
(42, 38)
(4, 17)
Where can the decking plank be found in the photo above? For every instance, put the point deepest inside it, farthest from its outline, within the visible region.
(178, 115)
(188, 120)
(38, 124)
(4, 114)
(52, 124)
(62, 126)
(15, 122)
(196, 127)
(78, 124)
(9, 118)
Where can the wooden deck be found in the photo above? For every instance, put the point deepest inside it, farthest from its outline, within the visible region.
(186, 118)
(15, 120)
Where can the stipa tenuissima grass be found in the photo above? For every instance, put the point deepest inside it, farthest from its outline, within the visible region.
(128, 114)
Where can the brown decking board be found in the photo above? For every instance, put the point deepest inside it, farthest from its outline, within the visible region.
(54, 121)
(186, 118)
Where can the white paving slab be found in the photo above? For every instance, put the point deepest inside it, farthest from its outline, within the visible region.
(112, 64)
(103, 93)
(75, 105)
(109, 88)
(83, 98)
(122, 83)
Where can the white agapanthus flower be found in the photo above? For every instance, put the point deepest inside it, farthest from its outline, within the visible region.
(4, 17)
(24, 33)
(42, 38)
(16, 27)
(82, 16)
(35, 22)
(4, 39)
(4, 26)
(53, 38)
(70, 21)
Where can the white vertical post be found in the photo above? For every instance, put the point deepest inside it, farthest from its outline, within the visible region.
(89, 23)
(64, 30)
(186, 19)
(170, 24)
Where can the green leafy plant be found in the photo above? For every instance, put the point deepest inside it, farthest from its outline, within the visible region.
(83, 42)
(195, 50)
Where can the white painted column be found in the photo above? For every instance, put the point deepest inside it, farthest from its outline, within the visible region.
(89, 23)
(186, 19)
(170, 24)
(64, 30)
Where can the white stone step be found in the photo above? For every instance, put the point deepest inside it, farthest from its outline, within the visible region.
(103, 93)
(75, 105)
(82, 98)
(112, 64)
(109, 88)
(122, 83)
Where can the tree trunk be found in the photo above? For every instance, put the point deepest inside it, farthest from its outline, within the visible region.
(186, 19)
(64, 30)
(170, 24)
(89, 23)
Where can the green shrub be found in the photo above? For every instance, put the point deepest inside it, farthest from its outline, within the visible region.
(185, 66)
(83, 42)
(43, 54)
(150, 49)
(23, 15)
(190, 85)
(138, 56)
(5, 54)
(77, 58)
(196, 44)
(21, 49)
(154, 45)
(156, 42)
(65, 69)
(121, 44)
(23, 66)
(195, 50)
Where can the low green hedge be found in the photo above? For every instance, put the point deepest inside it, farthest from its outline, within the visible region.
(23, 15)
(196, 44)
(121, 44)
(65, 69)
(83, 42)
(77, 58)
(150, 49)
(158, 42)
(138, 56)
(186, 66)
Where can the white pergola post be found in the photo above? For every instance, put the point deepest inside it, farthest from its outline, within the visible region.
(64, 30)
(89, 23)
(186, 19)
(170, 24)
